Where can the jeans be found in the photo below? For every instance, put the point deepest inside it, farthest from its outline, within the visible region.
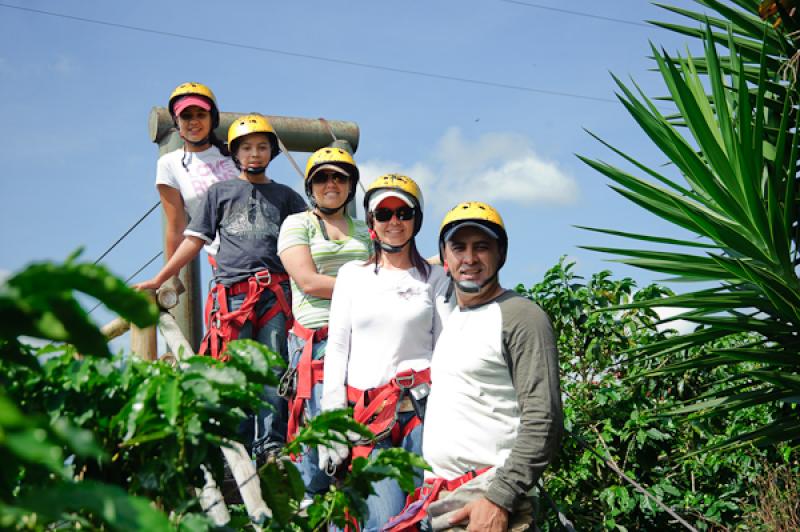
(315, 480)
(389, 500)
(266, 429)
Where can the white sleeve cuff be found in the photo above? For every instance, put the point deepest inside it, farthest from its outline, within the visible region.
(201, 236)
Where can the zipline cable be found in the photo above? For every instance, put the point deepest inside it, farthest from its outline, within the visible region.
(126, 233)
(134, 274)
(371, 66)
(579, 14)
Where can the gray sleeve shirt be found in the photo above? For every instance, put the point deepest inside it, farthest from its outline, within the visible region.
(495, 398)
(530, 351)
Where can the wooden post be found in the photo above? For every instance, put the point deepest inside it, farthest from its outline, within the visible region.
(143, 341)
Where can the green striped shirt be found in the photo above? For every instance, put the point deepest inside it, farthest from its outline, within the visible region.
(302, 229)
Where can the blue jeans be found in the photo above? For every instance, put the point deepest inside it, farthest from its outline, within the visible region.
(266, 429)
(315, 480)
(389, 500)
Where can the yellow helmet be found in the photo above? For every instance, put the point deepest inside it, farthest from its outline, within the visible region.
(247, 125)
(397, 183)
(474, 213)
(194, 89)
(338, 158)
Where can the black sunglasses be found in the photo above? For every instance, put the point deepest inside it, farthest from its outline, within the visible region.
(404, 213)
(322, 178)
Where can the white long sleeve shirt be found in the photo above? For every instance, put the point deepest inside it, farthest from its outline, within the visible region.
(380, 324)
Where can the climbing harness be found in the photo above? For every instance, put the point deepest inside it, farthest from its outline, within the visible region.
(379, 408)
(416, 508)
(298, 383)
(224, 324)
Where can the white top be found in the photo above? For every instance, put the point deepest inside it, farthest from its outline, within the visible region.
(379, 326)
(472, 414)
(203, 169)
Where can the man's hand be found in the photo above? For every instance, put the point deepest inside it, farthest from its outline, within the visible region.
(483, 516)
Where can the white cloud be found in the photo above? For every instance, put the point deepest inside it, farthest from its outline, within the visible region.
(495, 167)
(682, 326)
(4, 274)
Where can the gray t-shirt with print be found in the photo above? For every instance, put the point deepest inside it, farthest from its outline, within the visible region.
(248, 217)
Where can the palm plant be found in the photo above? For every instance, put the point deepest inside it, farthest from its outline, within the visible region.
(732, 146)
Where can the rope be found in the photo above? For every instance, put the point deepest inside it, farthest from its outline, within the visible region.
(291, 159)
(126, 233)
(134, 274)
(563, 520)
(615, 468)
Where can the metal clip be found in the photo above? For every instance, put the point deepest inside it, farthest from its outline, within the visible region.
(287, 385)
(263, 274)
(406, 382)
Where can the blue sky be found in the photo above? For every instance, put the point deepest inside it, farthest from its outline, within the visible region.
(79, 167)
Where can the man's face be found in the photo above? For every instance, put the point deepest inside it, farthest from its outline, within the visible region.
(472, 255)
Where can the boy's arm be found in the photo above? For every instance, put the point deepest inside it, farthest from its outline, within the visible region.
(187, 251)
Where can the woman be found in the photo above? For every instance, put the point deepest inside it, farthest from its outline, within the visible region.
(184, 175)
(386, 315)
(313, 245)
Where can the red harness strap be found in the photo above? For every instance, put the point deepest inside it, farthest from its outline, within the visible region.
(224, 325)
(417, 503)
(308, 373)
(377, 408)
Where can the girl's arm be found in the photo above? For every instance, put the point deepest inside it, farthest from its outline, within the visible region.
(175, 213)
(301, 268)
(187, 251)
(337, 352)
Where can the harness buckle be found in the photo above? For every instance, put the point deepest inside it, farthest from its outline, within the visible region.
(406, 382)
(264, 274)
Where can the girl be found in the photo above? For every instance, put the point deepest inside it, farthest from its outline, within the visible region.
(184, 175)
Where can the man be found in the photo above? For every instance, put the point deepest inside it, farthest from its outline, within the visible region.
(493, 420)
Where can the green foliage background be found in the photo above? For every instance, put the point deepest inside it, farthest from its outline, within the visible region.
(614, 407)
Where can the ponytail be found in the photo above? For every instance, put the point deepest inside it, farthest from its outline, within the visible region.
(221, 146)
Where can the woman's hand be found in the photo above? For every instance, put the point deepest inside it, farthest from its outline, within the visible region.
(150, 284)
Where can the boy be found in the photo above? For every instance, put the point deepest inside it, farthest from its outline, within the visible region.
(251, 298)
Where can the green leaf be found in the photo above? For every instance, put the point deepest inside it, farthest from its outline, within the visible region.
(169, 400)
(110, 503)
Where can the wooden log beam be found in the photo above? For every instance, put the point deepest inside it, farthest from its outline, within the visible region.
(173, 336)
(247, 479)
(212, 501)
(115, 328)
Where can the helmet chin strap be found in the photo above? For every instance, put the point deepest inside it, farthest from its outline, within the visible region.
(471, 287)
(388, 248)
(328, 210)
(256, 170)
(198, 142)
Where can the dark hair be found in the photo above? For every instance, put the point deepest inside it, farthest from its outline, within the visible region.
(417, 260)
(221, 146)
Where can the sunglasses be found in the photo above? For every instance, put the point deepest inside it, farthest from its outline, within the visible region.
(323, 177)
(383, 214)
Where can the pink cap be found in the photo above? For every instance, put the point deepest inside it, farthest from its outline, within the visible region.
(190, 100)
